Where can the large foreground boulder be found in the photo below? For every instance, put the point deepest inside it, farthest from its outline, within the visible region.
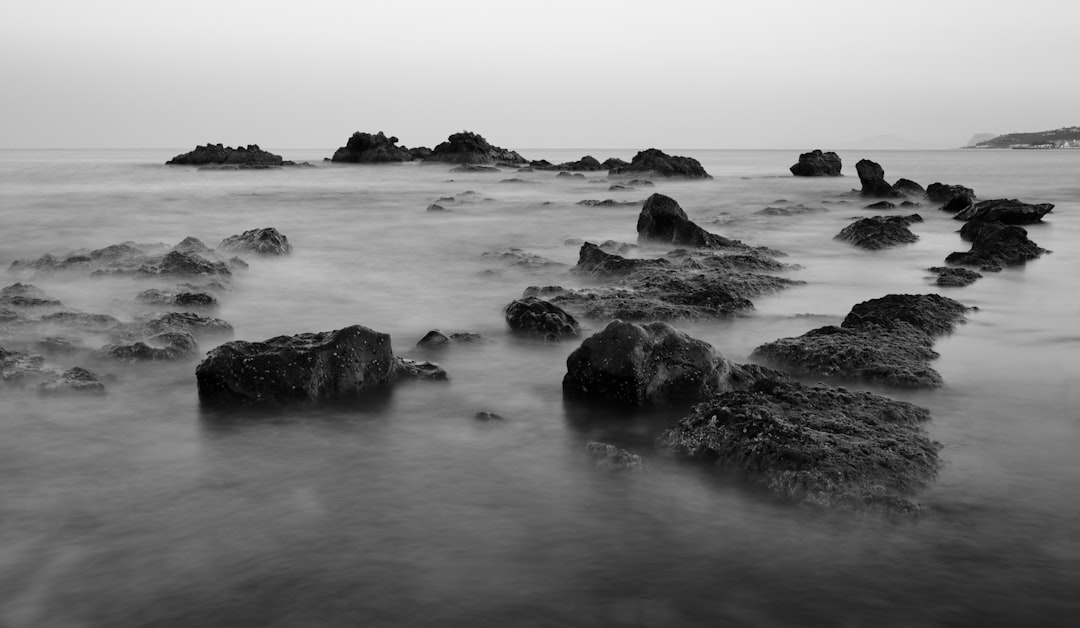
(663, 220)
(365, 148)
(655, 162)
(649, 364)
(817, 164)
(472, 148)
(1007, 211)
(880, 232)
(535, 317)
(212, 154)
(305, 368)
(264, 241)
(815, 444)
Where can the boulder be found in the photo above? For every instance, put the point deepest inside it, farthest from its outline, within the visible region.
(264, 241)
(943, 193)
(163, 347)
(210, 154)
(474, 168)
(817, 164)
(471, 148)
(435, 339)
(420, 153)
(1007, 211)
(190, 300)
(872, 177)
(24, 295)
(586, 164)
(880, 232)
(594, 261)
(819, 445)
(907, 187)
(995, 246)
(73, 380)
(187, 264)
(365, 148)
(882, 205)
(18, 368)
(613, 163)
(663, 220)
(306, 367)
(657, 163)
(953, 277)
(649, 364)
(536, 317)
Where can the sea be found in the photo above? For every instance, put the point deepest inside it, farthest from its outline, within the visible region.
(140, 507)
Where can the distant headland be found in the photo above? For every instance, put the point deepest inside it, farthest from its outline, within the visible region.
(1065, 137)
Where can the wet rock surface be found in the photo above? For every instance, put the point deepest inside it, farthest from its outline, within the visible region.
(662, 220)
(886, 341)
(943, 192)
(264, 241)
(880, 232)
(308, 367)
(471, 148)
(163, 347)
(1008, 211)
(210, 154)
(654, 162)
(531, 316)
(953, 277)
(184, 299)
(368, 148)
(872, 178)
(817, 164)
(994, 246)
(818, 445)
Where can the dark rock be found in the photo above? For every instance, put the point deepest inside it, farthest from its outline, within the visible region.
(422, 153)
(620, 188)
(24, 295)
(663, 220)
(594, 261)
(471, 148)
(365, 148)
(180, 263)
(614, 163)
(995, 246)
(520, 259)
(1008, 211)
(815, 444)
(586, 163)
(649, 364)
(607, 203)
(435, 339)
(265, 241)
(817, 164)
(474, 168)
(304, 368)
(536, 317)
(163, 347)
(569, 175)
(435, 207)
(952, 277)
(218, 154)
(74, 380)
(879, 232)
(882, 205)
(793, 210)
(943, 193)
(641, 183)
(192, 244)
(910, 204)
(17, 368)
(514, 180)
(872, 177)
(193, 300)
(610, 458)
(488, 417)
(656, 163)
(201, 327)
(907, 187)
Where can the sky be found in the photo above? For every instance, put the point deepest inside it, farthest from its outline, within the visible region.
(546, 74)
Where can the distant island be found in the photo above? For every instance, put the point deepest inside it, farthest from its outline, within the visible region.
(1065, 137)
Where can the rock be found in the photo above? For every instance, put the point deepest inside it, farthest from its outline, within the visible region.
(201, 327)
(167, 346)
(594, 261)
(610, 458)
(793, 210)
(265, 241)
(819, 445)
(641, 183)
(613, 163)
(620, 188)
(663, 220)
(58, 344)
(608, 202)
(435, 339)
(886, 341)
(882, 205)
(421, 153)
(514, 180)
(536, 317)
(995, 246)
(488, 417)
(952, 277)
(910, 204)
(192, 300)
(80, 321)
(471, 148)
(24, 295)
(1008, 211)
(872, 177)
(907, 187)
(306, 367)
(365, 148)
(943, 193)
(74, 380)
(192, 244)
(817, 164)
(180, 263)
(125, 258)
(474, 168)
(586, 163)
(569, 175)
(251, 155)
(435, 207)
(18, 368)
(656, 163)
(649, 364)
(616, 248)
(879, 232)
(520, 259)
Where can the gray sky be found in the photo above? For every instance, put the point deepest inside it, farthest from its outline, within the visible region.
(542, 74)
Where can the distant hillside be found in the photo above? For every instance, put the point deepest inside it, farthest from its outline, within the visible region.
(980, 137)
(1066, 137)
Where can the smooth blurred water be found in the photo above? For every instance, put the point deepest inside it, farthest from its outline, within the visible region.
(139, 508)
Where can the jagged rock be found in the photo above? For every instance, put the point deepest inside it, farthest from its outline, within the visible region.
(306, 367)
(536, 317)
(879, 232)
(907, 187)
(887, 341)
(995, 246)
(608, 457)
(943, 193)
(594, 261)
(663, 220)
(656, 163)
(166, 346)
(569, 175)
(650, 364)
(872, 177)
(265, 241)
(1008, 211)
(817, 164)
(365, 148)
(180, 263)
(24, 295)
(74, 380)
(614, 163)
(488, 417)
(196, 300)
(201, 327)
(420, 152)
(815, 444)
(218, 154)
(471, 148)
(952, 277)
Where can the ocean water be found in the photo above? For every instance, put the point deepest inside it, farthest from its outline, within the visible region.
(140, 508)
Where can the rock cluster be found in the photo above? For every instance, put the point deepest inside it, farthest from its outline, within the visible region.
(817, 164)
(654, 162)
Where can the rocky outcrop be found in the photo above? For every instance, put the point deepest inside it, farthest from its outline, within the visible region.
(474, 168)
(614, 163)
(365, 148)
(587, 163)
(662, 220)
(818, 445)
(251, 155)
(872, 178)
(995, 246)
(264, 241)
(73, 380)
(185, 299)
(952, 277)
(1007, 211)
(881, 205)
(471, 148)
(654, 162)
(649, 364)
(163, 347)
(535, 317)
(307, 367)
(187, 265)
(943, 193)
(817, 164)
(24, 296)
(885, 341)
(880, 232)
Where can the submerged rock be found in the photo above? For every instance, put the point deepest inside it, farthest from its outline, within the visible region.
(305, 368)
(17, 368)
(657, 163)
(163, 347)
(953, 277)
(882, 205)
(471, 148)
(663, 220)
(817, 164)
(536, 317)
(24, 295)
(815, 444)
(365, 148)
(265, 241)
(191, 300)
(887, 341)
(1007, 211)
(879, 232)
(608, 457)
(250, 155)
(187, 264)
(474, 168)
(435, 339)
(995, 246)
(74, 380)
(518, 258)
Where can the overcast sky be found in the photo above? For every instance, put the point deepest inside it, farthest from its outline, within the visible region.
(540, 74)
